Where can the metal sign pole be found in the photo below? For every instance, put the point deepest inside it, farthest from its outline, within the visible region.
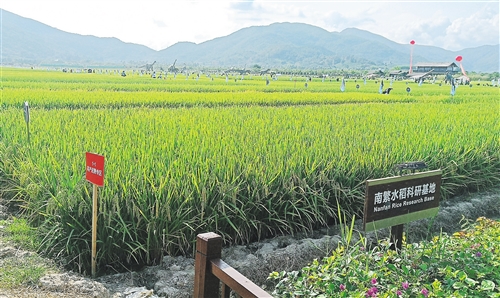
(28, 130)
(27, 119)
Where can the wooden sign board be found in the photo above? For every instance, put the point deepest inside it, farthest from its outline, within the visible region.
(397, 200)
(94, 173)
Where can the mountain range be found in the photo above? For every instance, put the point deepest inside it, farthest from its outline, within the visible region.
(26, 42)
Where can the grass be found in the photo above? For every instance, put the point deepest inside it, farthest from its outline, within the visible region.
(26, 271)
(21, 233)
(19, 265)
(464, 264)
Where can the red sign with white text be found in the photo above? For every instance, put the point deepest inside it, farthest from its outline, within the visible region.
(94, 169)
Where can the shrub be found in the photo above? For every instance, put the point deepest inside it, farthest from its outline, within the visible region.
(464, 264)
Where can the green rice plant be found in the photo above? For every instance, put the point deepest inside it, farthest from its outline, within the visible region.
(243, 162)
(51, 90)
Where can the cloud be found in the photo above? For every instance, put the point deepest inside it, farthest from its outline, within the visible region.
(337, 21)
(427, 32)
(242, 5)
(451, 24)
(478, 29)
(160, 23)
(276, 11)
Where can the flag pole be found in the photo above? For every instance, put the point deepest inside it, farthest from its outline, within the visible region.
(412, 43)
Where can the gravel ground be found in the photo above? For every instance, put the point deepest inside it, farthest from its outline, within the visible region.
(39, 293)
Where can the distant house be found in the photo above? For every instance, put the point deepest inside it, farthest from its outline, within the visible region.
(437, 68)
(397, 74)
(375, 74)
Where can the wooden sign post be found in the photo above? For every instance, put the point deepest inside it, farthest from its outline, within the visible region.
(393, 201)
(94, 173)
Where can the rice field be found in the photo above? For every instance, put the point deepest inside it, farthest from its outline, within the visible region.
(240, 158)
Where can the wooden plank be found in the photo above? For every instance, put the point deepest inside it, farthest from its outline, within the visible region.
(208, 247)
(94, 229)
(226, 291)
(236, 281)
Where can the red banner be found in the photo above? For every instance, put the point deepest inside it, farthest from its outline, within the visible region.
(94, 169)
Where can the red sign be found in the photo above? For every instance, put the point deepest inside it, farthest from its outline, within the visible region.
(94, 169)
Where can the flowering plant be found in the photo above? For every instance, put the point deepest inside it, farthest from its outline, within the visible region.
(464, 264)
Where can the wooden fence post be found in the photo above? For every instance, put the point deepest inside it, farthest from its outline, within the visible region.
(208, 247)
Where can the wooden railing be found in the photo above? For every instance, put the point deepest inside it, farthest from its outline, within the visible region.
(210, 270)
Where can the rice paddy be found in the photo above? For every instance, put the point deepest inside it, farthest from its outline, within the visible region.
(240, 158)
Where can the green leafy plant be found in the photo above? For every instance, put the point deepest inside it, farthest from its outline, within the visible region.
(464, 264)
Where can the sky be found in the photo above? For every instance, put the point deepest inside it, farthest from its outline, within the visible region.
(158, 24)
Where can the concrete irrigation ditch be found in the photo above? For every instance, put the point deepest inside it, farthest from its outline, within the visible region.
(174, 277)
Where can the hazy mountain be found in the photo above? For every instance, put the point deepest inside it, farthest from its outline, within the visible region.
(280, 45)
(31, 42)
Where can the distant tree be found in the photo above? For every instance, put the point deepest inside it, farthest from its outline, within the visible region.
(493, 76)
(256, 67)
